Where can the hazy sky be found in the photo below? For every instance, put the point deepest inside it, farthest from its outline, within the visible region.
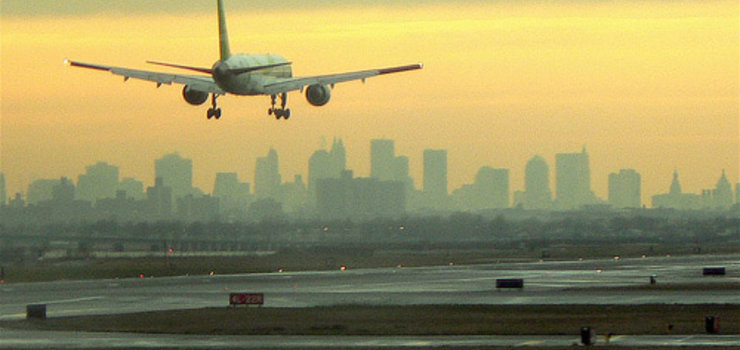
(650, 85)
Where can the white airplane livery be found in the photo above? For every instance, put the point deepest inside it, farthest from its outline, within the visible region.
(242, 74)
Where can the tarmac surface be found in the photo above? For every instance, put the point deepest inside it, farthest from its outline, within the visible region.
(545, 282)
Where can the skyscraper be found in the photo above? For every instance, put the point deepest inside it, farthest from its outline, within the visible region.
(267, 178)
(326, 165)
(176, 172)
(435, 176)
(722, 197)
(625, 189)
(573, 180)
(492, 188)
(382, 157)
(233, 195)
(337, 158)
(537, 194)
(100, 181)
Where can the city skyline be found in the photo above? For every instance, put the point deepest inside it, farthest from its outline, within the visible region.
(268, 171)
(649, 85)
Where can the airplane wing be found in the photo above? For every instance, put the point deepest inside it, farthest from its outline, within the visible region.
(285, 85)
(195, 82)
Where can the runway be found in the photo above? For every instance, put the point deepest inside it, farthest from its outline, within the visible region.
(545, 282)
(569, 282)
(75, 340)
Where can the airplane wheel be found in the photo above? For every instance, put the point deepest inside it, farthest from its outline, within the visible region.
(210, 113)
(217, 113)
(287, 114)
(269, 111)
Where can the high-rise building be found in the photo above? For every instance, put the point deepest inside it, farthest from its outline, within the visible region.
(326, 165)
(267, 178)
(41, 190)
(233, 195)
(722, 197)
(435, 177)
(176, 172)
(132, 187)
(382, 157)
(537, 194)
(573, 180)
(3, 195)
(625, 189)
(337, 158)
(159, 200)
(359, 198)
(492, 188)
(100, 181)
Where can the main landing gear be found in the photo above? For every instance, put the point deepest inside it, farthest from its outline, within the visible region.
(281, 112)
(213, 112)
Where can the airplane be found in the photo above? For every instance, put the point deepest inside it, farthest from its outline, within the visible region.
(245, 74)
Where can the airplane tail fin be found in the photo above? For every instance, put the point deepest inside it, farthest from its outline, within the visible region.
(223, 34)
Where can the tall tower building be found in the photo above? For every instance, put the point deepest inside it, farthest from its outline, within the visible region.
(176, 173)
(99, 181)
(723, 192)
(267, 178)
(382, 156)
(537, 194)
(573, 180)
(337, 158)
(625, 189)
(435, 175)
(492, 188)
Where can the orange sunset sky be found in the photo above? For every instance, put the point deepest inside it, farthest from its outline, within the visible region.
(643, 84)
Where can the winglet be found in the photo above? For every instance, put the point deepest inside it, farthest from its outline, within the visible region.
(223, 35)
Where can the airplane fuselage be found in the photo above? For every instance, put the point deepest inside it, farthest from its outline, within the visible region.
(250, 83)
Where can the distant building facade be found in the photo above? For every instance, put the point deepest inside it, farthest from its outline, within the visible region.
(359, 198)
(267, 177)
(326, 164)
(537, 194)
(176, 173)
(573, 180)
(233, 195)
(99, 181)
(435, 177)
(159, 201)
(675, 198)
(721, 197)
(625, 189)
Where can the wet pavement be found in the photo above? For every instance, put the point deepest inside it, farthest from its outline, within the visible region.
(565, 282)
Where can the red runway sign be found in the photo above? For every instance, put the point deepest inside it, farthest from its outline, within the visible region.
(246, 299)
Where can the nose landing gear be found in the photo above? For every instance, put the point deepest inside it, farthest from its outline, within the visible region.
(281, 112)
(213, 112)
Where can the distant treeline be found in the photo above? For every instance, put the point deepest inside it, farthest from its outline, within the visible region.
(503, 227)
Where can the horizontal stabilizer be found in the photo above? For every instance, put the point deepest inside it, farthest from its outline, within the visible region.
(252, 69)
(197, 69)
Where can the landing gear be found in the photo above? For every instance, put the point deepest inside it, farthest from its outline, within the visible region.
(213, 112)
(281, 112)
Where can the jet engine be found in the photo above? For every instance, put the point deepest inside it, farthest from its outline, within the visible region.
(318, 95)
(194, 97)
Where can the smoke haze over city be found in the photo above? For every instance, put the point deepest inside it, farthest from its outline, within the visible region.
(644, 85)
